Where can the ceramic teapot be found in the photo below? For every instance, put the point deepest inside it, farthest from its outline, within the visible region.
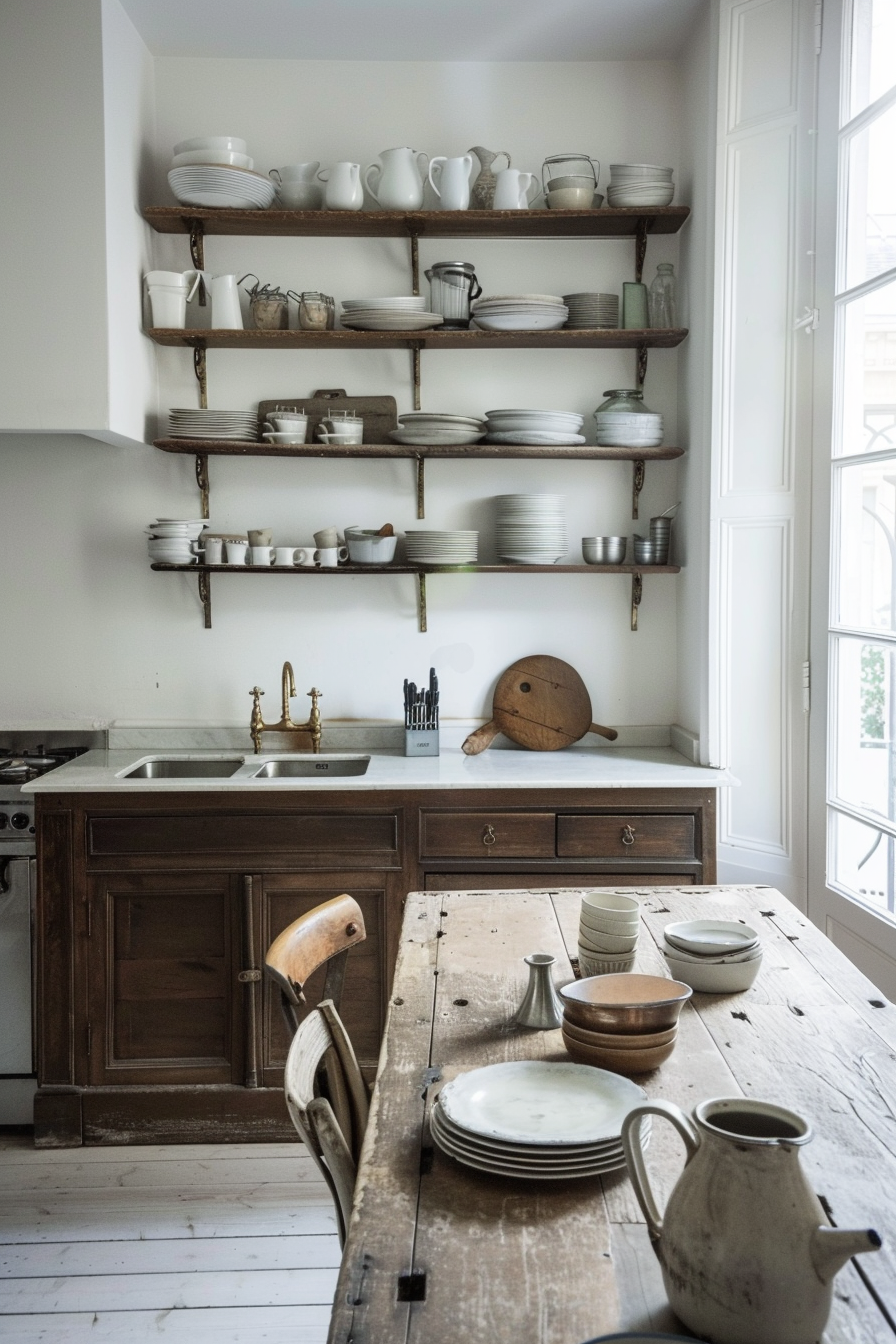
(745, 1249)
(397, 184)
(343, 190)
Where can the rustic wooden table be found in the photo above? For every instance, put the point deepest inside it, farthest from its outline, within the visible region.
(437, 1253)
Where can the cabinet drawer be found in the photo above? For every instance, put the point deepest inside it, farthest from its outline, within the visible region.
(463, 835)
(626, 837)
(241, 833)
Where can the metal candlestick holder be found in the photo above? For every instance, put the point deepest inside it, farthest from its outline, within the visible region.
(541, 1007)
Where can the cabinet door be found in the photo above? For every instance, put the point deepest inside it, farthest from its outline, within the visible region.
(161, 989)
(286, 896)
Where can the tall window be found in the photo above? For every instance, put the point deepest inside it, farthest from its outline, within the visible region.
(862, 770)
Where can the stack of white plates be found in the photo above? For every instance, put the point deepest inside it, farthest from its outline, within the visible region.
(399, 313)
(437, 429)
(533, 427)
(592, 310)
(441, 548)
(715, 956)
(640, 184)
(624, 429)
(520, 312)
(171, 540)
(197, 424)
(221, 185)
(537, 1120)
(531, 529)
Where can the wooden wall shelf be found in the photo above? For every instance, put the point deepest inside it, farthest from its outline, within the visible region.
(471, 451)
(218, 338)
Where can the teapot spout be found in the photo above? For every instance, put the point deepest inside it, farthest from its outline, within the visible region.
(832, 1247)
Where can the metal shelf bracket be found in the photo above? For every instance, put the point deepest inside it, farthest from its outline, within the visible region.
(642, 364)
(637, 587)
(205, 596)
(638, 471)
(421, 486)
(644, 223)
(421, 603)
(415, 264)
(202, 481)
(415, 364)
(201, 372)
(197, 244)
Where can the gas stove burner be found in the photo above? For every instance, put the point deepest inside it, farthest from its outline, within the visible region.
(20, 768)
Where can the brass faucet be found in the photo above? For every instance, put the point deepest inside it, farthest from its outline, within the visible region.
(312, 728)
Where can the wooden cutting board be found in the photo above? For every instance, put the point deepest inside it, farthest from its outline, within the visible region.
(541, 703)
(380, 414)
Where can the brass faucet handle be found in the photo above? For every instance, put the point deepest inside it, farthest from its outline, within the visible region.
(256, 691)
(315, 696)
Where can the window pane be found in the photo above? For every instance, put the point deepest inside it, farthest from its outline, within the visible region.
(873, 52)
(862, 861)
(868, 378)
(871, 201)
(865, 743)
(867, 506)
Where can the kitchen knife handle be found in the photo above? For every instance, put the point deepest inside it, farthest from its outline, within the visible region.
(610, 733)
(482, 738)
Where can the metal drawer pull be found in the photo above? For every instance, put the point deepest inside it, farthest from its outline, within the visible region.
(628, 835)
(488, 835)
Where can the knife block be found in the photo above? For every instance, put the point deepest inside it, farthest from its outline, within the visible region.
(419, 742)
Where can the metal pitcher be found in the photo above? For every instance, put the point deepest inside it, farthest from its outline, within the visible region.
(453, 286)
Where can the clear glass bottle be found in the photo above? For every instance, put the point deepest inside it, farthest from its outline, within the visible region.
(661, 299)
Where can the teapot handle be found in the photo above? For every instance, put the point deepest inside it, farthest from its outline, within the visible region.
(634, 1155)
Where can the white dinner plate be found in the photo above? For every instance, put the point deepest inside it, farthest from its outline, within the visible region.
(537, 439)
(712, 937)
(436, 438)
(519, 1167)
(576, 1152)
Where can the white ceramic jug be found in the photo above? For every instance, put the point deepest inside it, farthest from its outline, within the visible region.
(343, 190)
(225, 293)
(453, 185)
(511, 189)
(398, 184)
(296, 185)
(746, 1251)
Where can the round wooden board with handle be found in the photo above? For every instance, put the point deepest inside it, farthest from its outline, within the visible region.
(541, 703)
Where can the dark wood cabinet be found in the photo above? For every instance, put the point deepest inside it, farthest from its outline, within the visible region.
(155, 1023)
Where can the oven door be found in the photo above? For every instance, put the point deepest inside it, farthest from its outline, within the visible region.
(17, 1073)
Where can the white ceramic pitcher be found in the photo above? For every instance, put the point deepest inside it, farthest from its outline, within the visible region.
(746, 1251)
(453, 185)
(397, 184)
(512, 188)
(343, 190)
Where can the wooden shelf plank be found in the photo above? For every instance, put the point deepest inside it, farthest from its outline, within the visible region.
(220, 338)
(246, 448)
(422, 569)
(606, 223)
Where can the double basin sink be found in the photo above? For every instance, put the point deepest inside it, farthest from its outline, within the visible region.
(242, 768)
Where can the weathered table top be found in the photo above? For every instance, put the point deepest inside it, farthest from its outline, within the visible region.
(440, 1253)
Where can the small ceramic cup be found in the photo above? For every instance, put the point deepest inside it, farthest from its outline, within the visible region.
(236, 552)
(305, 555)
(214, 550)
(289, 423)
(260, 536)
(262, 555)
(326, 538)
(288, 555)
(328, 557)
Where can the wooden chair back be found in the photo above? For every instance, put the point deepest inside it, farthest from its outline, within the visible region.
(324, 934)
(321, 1059)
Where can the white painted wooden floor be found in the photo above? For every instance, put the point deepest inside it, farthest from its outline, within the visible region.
(231, 1244)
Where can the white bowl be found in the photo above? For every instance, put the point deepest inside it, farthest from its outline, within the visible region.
(618, 945)
(218, 157)
(589, 965)
(730, 978)
(722, 960)
(369, 548)
(227, 143)
(611, 904)
(573, 198)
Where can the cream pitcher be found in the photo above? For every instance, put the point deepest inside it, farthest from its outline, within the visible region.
(397, 184)
(343, 190)
(745, 1249)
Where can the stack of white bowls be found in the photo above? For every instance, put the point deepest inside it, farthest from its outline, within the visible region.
(587, 310)
(216, 170)
(188, 423)
(637, 184)
(715, 956)
(173, 541)
(628, 429)
(609, 925)
(403, 312)
(520, 312)
(429, 547)
(531, 529)
(437, 429)
(537, 428)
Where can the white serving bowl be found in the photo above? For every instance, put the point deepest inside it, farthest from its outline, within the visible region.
(367, 547)
(589, 964)
(723, 959)
(729, 978)
(218, 157)
(611, 904)
(226, 143)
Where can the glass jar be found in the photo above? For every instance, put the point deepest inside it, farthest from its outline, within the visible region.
(661, 298)
(629, 400)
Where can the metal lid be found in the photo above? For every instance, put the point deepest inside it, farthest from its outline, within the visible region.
(466, 266)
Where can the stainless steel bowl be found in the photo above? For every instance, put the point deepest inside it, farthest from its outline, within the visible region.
(604, 550)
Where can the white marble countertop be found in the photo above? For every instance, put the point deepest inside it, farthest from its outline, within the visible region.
(576, 768)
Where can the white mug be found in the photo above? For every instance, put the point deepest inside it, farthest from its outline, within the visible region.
(214, 549)
(330, 556)
(453, 187)
(236, 552)
(262, 555)
(511, 188)
(289, 555)
(288, 423)
(342, 429)
(305, 556)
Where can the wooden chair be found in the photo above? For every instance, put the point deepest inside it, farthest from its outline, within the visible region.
(323, 934)
(331, 1128)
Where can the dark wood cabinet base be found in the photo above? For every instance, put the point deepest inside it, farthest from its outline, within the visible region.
(161, 1115)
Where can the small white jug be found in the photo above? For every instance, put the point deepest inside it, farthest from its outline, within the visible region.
(343, 190)
(453, 187)
(224, 290)
(511, 189)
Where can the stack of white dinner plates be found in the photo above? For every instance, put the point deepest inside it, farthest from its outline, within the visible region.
(435, 429)
(640, 184)
(531, 529)
(538, 1120)
(441, 548)
(519, 312)
(222, 185)
(397, 313)
(198, 424)
(172, 541)
(592, 310)
(536, 428)
(627, 429)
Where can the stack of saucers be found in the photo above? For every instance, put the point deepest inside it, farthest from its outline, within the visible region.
(520, 312)
(441, 548)
(592, 310)
(637, 184)
(172, 541)
(535, 1119)
(628, 1023)
(716, 956)
(609, 925)
(185, 423)
(397, 313)
(537, 428)
(437, 429)
(531, 529)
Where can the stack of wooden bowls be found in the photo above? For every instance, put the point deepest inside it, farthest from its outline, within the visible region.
(626, 1023)
(609, 925)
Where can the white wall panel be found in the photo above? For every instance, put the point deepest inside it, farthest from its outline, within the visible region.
(763, 61)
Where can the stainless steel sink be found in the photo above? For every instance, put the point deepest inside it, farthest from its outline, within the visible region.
(314, 767)
(177, 767)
